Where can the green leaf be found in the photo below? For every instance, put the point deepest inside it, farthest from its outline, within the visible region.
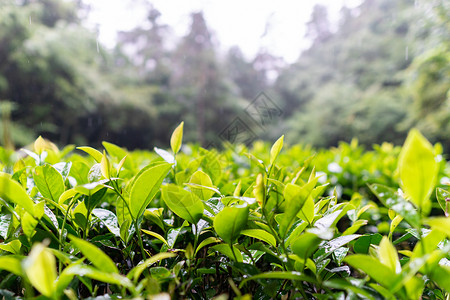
(418, 170)
(275, 150)
(183, 203)
(137, 271)
(105, 166)
(109, 219)
(49, 182)
(305, 245)
(443, 197)
(388, 255)
(40, 268)
(88, 271)
(156, 235)
(200, 180)
(97, 155)
(28, 224)
(153, 215)
(226, 250)
(67, 195)
(279, 275)
(260, 235)
(13, 247)
(295, 197)
(206, 242)
(100, 260)
(114, 150)
(13, 192)
(12, 264)
(374, 268)
(229, 222)
(441, 224)
(355, 226)
(177, 138)
(259, 190)
(145, 188)
(330, 246)
(306, 213)
(363, 243)
(391, 199)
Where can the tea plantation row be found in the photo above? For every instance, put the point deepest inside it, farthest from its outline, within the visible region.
(267, 222)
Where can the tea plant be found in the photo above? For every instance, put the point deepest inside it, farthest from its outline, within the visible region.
(268, 222)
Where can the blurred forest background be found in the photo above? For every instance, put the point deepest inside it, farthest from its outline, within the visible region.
(384, 69)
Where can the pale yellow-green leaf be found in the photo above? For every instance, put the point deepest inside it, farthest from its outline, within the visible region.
(97, 155)
(260, 235)
(40, 268)
(66, 195)
(258, 190)
(13, 246)
(120, 165)
(105, 166)
(200, 180)
(418, 170)
(440, 224)
(12, 191)
(39, 145)
(276, 148)
(156, 235)
(397, 219)
(137, 271)
(388, 255)
(177, 138)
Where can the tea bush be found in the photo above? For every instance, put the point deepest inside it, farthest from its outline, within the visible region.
(267, 222)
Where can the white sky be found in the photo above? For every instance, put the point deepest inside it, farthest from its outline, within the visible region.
(234, 22)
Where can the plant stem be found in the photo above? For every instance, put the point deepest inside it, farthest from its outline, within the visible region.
(232, 251)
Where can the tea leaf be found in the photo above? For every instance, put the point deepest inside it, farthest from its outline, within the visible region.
(145, 188)
(206, 242)
(441, 224)
(418, 170)
(391, 199)
(177, 138)
(305, 245)
(226, 250)
(295, 197)
(156, 235)
(98, 258)
(200, 180)
(40, 268)
(388, 255)
(11, 263)
(260, 235)
(12, 191)
(49, 182)
(183, 203)
(374, 268)
(275, 150)
(109, 219)
(97, 155)
(137, 271)
(229, 222)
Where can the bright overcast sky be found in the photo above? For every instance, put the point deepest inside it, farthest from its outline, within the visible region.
(234, 22)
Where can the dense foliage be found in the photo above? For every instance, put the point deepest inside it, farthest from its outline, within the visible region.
(266, 222)
(380, 71)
